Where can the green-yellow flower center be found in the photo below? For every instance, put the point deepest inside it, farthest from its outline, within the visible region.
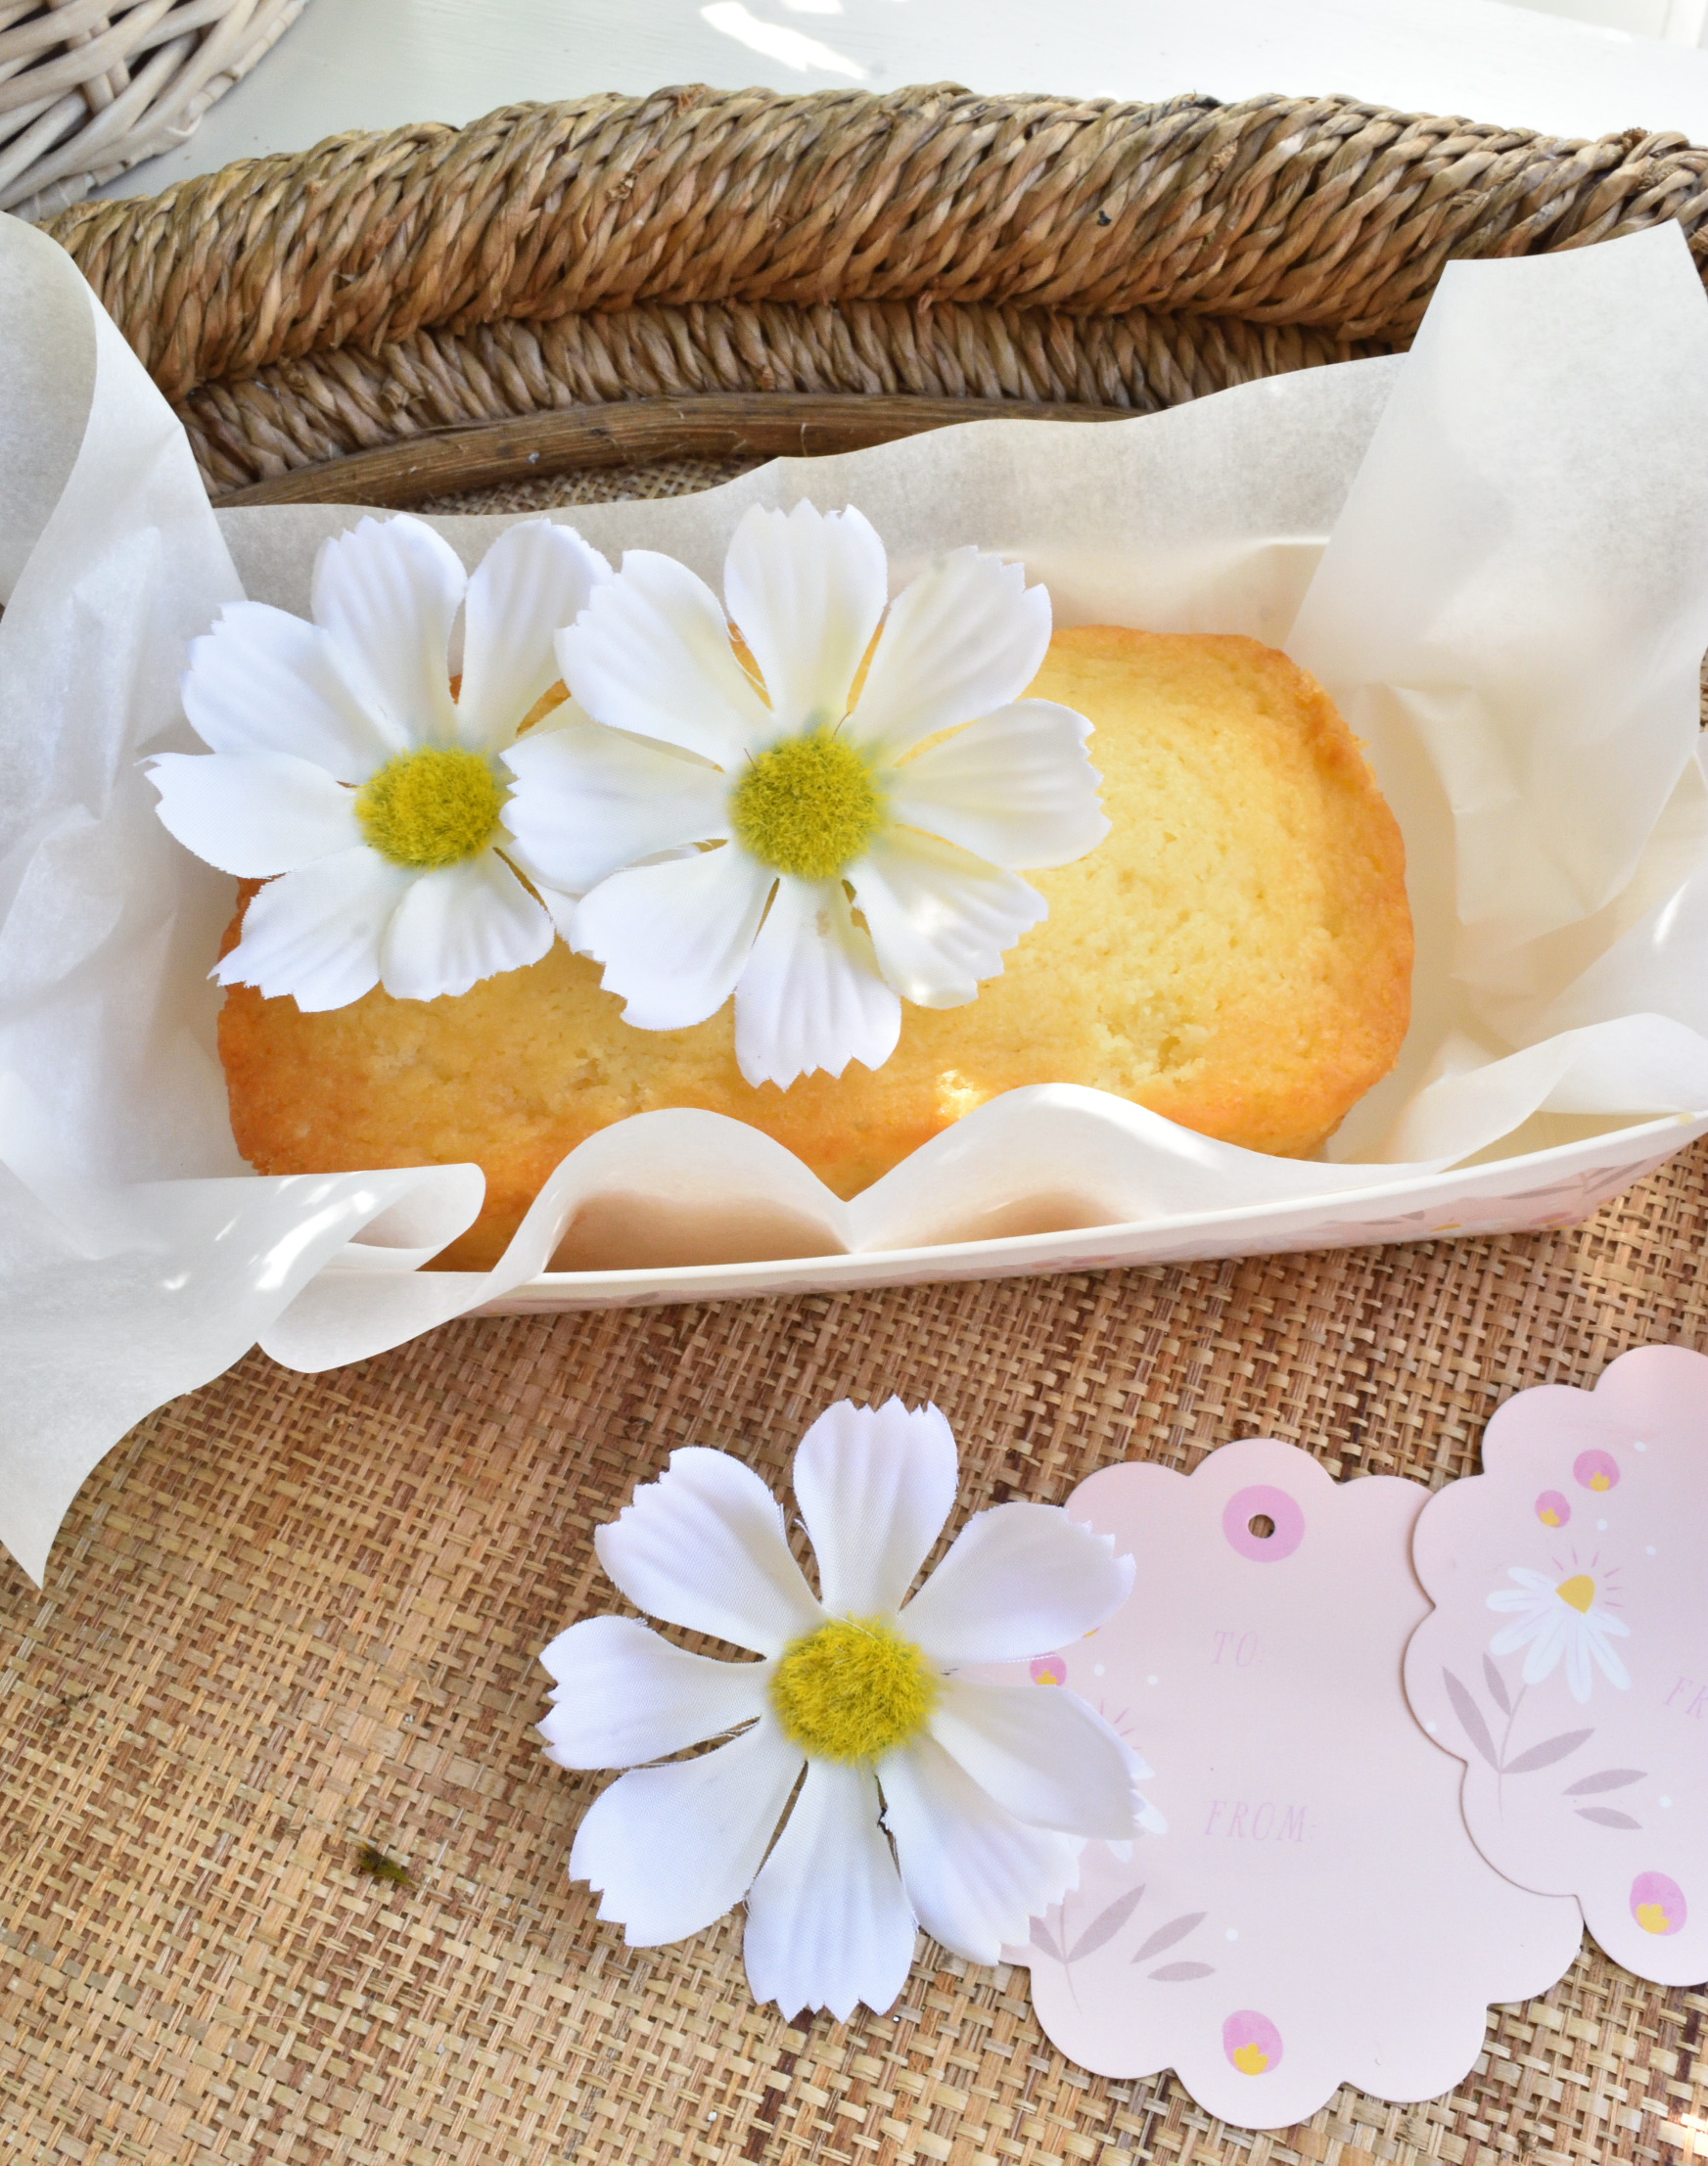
(431, 807)
(854, 1689)
(808, 806)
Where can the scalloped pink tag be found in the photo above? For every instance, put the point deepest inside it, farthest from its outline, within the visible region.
(1566, 1660)
(1315, 1913)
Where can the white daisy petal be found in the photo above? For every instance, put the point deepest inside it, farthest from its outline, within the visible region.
(254, 813)
(1544, 1657)
(624, 1695)
(673, 1848)
(675, 938)
(1042, 1753)
(1014, 788)
(810, 996)
(389, 591)
(702, 1548)
(458, 925)
(651, 654)
(1612, 1668)
(974, 1874)
(1519, 1635)
(534, 581)
(1578, 1665)
(875, 1485)
(939, 919)
(1017, 1580)
(827, 1923)
(806, 589)
(264, 680)
(589, 800)
(316, 932)
(962, 640)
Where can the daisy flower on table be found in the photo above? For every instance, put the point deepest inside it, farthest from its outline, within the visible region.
(987, 1792)
(345, 772)
(816, 795)
(1560, 1616)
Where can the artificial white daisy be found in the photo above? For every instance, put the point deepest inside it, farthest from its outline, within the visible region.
(345, 774)
(818, 796)
(985, 1791)
(1560, 1616)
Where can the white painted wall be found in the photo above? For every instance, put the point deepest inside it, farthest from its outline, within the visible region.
(377, 63)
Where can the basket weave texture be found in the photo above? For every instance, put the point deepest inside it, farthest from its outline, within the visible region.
(297, 308)
(88, 87)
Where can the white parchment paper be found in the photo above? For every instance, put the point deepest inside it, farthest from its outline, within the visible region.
(1494, 553)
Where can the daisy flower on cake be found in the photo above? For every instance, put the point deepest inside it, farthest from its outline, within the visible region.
(1561, 1614)
(346, 771)
(864, 810)
(906, 1795)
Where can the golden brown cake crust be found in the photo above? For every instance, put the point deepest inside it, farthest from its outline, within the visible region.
(1236, 955)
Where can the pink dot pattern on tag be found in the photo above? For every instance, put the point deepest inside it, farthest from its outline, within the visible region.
(1049, 1669)
(1596, 1470)
(1657, 1903)
(1242, 1517)
(1553, 1509)
(1251, 2041)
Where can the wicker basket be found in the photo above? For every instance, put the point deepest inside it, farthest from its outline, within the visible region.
(926, 242)
(89, 87)
(295, 1615)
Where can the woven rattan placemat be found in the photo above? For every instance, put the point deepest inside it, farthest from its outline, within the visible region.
(291, 1615)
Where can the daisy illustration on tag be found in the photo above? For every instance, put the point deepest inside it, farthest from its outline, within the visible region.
(1561, 1661)
(1566, 1612)
(925, 1798)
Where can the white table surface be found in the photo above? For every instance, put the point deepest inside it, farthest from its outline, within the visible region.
(377, 63)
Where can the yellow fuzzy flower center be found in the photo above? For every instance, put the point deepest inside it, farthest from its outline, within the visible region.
(854, 1689)
(808, 806)
(431, 807)
(1579, 1590)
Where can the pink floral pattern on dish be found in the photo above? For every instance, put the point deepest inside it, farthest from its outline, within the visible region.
(1255, 1665)
(1583, 1722)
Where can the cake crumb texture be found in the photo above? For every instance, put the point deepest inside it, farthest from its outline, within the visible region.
(1236, 955)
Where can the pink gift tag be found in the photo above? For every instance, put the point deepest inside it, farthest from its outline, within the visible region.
(1566, 1661)
(1315, 1913)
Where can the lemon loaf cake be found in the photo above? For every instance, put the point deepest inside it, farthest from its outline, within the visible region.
(1236, 955)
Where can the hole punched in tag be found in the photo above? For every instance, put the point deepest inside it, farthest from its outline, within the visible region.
(1260, 1525)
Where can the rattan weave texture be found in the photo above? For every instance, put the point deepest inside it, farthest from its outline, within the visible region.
(295, 308)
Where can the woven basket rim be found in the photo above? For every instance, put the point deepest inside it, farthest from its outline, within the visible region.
(596, 204)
